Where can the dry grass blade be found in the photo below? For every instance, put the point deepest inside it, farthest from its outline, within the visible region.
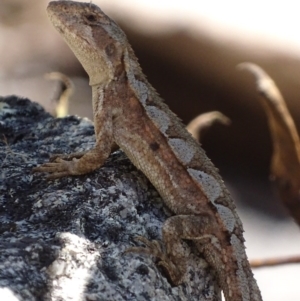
(285, 165)
(204, 121)
(259, 263)
(63, 93)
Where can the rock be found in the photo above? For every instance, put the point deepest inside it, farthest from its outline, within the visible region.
(65, 239)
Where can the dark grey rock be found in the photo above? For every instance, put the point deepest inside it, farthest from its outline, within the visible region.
(65, 239)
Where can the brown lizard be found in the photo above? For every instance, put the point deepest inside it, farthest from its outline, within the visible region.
(129, 112)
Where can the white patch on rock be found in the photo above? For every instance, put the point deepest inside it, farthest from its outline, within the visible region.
(182, 149)
(6, 109)
(159, 117)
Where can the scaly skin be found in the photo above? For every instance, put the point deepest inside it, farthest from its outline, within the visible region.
(128, 112)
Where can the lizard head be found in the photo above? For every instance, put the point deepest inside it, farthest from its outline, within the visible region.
(96, 40)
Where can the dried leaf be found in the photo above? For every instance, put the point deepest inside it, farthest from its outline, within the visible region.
(204, 121)
(260, 263)
(63, 93)
(285, 165)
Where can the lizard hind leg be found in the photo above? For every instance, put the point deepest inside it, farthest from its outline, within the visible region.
(174, 258)
(175, 230)
(175, 255)
(154, 249)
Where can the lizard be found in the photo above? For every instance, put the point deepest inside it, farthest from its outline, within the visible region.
(128, 112)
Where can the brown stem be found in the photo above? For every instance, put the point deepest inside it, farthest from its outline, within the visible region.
(63, 94)
(285, 165)
(259, 263)
(204, 121)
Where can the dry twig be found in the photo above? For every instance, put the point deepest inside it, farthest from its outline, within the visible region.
(204, 121)
(63, 94)
(259, 263)
(285, 165)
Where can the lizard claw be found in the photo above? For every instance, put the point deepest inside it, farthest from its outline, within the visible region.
(154, 248)
(57, 169)
(60, 165)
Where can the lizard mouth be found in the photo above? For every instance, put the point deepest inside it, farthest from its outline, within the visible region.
(60, 30)
(86, 41)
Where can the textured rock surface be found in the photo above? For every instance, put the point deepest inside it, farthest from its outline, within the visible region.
(64, 239)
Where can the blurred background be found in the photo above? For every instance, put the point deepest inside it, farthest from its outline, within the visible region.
(189, 51)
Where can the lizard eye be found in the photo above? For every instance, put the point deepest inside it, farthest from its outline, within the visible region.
(91, 18)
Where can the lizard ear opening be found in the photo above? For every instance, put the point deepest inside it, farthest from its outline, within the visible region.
(90, 18)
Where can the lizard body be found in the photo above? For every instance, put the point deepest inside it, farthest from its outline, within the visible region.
(129, 112)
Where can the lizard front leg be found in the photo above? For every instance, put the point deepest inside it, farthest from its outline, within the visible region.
(67, 157)
(88, 162)
(85, 162)
(78, 155)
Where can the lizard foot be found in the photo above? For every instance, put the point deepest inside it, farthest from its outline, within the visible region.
(60, 165)
(57, 169)
(153, 248)
(67, 157)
